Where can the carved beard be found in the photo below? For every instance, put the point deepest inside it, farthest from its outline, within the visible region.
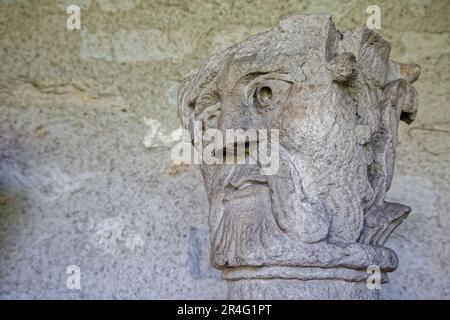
(251, 226)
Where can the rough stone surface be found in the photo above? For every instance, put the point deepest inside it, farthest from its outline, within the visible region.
(86, 178)
(331, 103)
(259, 289)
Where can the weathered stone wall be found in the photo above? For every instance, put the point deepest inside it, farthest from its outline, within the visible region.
(88, 118)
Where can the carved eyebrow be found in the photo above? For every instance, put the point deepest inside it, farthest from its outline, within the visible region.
(275, 76)
(208, 89)
(211, 91)
(272, 76)
(251, 76)
(206, 99)
(209, 96)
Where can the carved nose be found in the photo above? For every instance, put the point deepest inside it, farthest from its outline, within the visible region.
(238, 124)
(239, 152)
(235, 123)
(234, 117)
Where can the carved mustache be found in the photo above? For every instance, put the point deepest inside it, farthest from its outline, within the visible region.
(243, 175)
(295, 213)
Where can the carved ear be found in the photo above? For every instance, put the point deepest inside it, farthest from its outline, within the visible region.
(343, 67)
(402, 96)
(399, 90)
(185, 99)
(402, 71)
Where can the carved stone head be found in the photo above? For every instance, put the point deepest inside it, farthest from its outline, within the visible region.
(336, 100)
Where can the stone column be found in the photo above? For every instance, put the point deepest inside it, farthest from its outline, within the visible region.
(295, 130)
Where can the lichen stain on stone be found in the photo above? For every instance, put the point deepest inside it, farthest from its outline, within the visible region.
(176, 169)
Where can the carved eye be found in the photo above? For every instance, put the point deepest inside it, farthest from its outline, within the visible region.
(264, 95)
(209, 116)
(270, 92)
(208, 109)
(212, 120)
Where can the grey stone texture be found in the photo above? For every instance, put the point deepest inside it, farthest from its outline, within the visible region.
(88, 118)
(327, 104)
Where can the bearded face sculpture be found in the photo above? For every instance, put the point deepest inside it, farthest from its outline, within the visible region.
(335, 99)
